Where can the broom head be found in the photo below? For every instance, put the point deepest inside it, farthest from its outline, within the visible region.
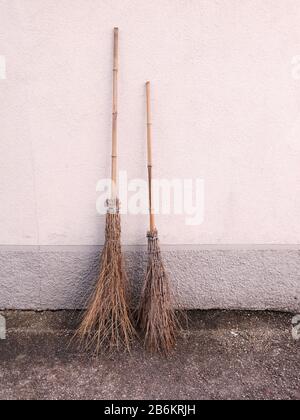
(156, 316)
(107, 324)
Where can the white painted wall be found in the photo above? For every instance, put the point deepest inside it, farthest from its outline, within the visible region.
(226, 102)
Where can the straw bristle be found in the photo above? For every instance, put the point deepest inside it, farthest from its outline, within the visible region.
(107, 324)
(157, 318)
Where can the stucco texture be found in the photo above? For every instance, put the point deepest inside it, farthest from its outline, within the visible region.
(200, 278)
(225, 109)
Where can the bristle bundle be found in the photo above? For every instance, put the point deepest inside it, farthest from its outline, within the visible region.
(107, 324)
(156, 316)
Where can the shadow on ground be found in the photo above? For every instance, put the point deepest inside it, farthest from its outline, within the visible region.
(223, 355)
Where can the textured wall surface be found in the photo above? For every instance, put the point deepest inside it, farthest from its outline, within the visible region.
(226, 109)
(261, 278)
(226, 102)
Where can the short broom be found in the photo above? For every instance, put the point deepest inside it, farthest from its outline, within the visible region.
(156, 316)
(107, 324)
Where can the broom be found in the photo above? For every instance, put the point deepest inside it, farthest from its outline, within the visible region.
(107, 322)
(156, 317)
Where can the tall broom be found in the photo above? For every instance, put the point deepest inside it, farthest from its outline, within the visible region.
(156, 316)
(107, 322)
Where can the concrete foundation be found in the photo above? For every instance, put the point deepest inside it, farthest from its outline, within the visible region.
(256, 278)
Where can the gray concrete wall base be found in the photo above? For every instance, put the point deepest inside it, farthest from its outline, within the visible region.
(233, 277)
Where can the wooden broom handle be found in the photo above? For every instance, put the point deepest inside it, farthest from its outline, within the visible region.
(115, 115)
(150, 161)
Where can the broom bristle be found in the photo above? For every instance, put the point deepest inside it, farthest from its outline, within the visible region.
(156, 316)
(107, 324)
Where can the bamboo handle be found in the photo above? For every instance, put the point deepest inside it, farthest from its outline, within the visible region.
(150, 162)
(115, 115)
